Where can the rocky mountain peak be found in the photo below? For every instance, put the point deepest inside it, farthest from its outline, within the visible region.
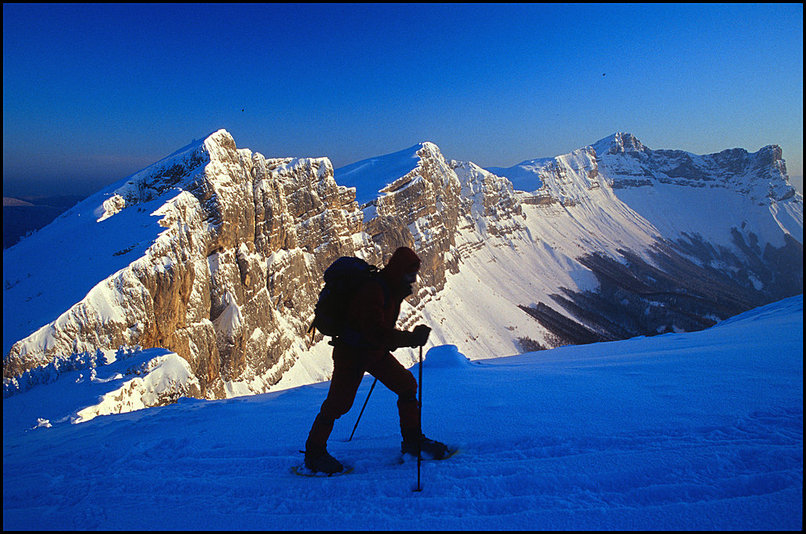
(619, 143)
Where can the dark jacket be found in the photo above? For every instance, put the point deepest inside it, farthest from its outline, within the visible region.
(372, 314)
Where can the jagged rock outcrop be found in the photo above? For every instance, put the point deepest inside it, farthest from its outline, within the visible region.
(216, 254)
(426, 202)
(760, 175)
(230, 282)
(488, 198)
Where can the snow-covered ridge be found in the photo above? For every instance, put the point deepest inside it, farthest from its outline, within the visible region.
(216, 253)
(760, 175)
(675, 190)
(154, 180)
(627, 162)
(371, 175)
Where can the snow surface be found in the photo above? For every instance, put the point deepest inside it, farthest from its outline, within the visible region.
(524, 175)
(690, 431)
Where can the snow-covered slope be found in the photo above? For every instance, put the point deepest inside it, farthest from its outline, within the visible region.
(690, 431)
(61, 264)
(683, 193)
(677, 192)
(371, 175)
(663, 232)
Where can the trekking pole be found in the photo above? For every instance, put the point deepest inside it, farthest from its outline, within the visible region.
(362, 409)
(420, 421)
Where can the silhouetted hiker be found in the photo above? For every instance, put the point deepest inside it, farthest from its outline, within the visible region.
(364, 346)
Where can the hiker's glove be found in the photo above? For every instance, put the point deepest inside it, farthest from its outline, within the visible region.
(419, 336)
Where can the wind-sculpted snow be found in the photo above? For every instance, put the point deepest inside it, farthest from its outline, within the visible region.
(691, 431)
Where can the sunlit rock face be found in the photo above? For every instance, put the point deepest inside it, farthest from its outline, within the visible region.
(216, 254)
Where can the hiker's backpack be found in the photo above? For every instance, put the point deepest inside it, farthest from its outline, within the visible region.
(343, 279)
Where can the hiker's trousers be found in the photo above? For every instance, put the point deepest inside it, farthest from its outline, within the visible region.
(349, 366)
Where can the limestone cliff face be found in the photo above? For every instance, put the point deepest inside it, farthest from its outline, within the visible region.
(489, 202)
(217, 253)
(421, 209)
(230, 281)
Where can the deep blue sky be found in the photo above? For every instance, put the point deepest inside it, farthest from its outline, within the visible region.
(93, 93)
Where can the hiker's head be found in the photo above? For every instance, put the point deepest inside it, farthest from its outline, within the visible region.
(403, 265)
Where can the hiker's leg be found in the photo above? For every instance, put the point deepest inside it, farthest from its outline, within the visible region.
(397, 378)
(347, 375)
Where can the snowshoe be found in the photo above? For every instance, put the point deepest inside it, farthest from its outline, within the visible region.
(322, 462)
(430, 449)
(302, 471)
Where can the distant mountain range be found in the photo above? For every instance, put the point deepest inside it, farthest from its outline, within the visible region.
(22, 216)
(216, 254)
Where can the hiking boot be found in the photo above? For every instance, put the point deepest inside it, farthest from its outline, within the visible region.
(322, 462)
(431, 449)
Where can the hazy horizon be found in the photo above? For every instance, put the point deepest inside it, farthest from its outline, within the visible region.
(92, 93)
